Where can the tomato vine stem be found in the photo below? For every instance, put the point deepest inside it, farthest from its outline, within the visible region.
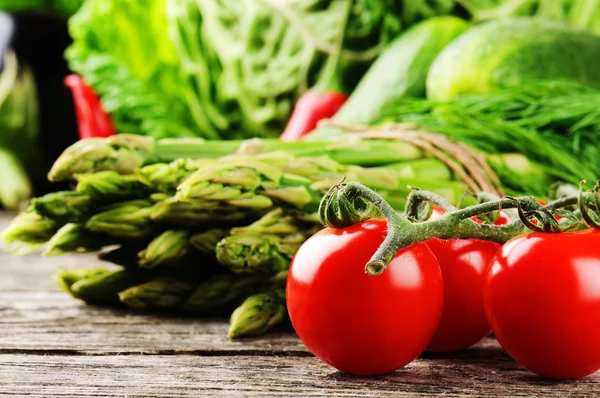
(348, 203)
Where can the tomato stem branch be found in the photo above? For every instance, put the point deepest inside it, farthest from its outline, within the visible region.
(563, 202)
(348, 203)
(416, 196)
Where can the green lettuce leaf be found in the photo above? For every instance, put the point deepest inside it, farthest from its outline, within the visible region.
(122, 49)
(224, 69)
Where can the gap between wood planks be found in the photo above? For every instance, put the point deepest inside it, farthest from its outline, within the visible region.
(204, 353)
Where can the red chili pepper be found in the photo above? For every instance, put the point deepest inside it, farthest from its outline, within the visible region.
(311, 107)
(92, 121)
(326, 96)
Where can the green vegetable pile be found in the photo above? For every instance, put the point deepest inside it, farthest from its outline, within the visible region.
(213, 69)
(207, 235)
(223, 70)
(203, 209)
(523, 86)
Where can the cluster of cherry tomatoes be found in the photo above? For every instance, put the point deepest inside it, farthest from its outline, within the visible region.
(538, 293)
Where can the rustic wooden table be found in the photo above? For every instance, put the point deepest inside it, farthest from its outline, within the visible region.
(53, 345)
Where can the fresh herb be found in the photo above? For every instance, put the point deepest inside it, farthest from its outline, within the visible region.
(556, 124)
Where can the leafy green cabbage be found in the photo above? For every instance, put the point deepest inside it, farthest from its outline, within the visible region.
(122, 49)
(225, 69)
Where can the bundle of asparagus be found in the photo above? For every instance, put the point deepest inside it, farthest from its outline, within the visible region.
(205, 234)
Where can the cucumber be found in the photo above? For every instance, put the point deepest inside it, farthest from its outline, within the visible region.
(401, 70)
(514, 51)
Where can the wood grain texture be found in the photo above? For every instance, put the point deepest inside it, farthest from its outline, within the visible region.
(54, 345)
(160, 376)
(50, 322)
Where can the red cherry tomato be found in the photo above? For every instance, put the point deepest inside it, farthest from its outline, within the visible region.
(463, 264)
(358, 323)
(542, 300)
(502, 219)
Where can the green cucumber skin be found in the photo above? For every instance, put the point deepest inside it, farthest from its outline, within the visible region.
(513, 51)
(401, 70)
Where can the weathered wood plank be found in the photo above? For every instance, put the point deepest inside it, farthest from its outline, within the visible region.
(54, 321)
(75, 339)
(34, 272)
(158, 376)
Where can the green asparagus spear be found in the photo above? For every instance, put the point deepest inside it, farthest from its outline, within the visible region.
(257, 314)
(75, 237)
(423, 169)
(222, 292)
(251, 184)
(126, 220)
(110, 186)
(309, 167)
(125, 255)
(122, 153)
(165, 177)
(27, 232)
(206, 242)
(167, 248)
(266, 245)
(156, 295)
(64, 206)
(66, 278)
(252, 253)
(230, 183)
(276, 222)
(125, 153)
(105, 288)
(328, 171)
(199, 212)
